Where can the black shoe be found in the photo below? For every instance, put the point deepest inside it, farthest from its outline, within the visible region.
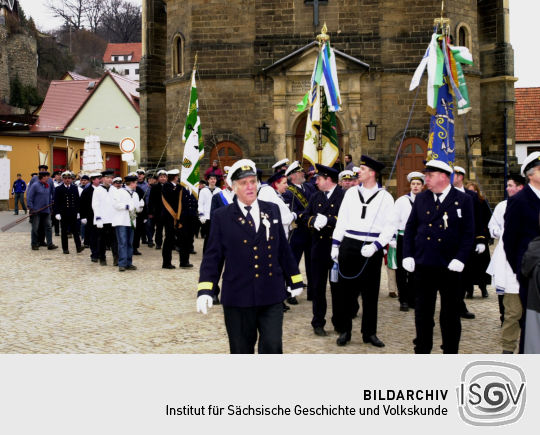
(158, 247)
(151, 245)
(93, 260)
(469, 295)
(343, 338)
(103, 262)
(193, 252)
(467, 315)
(136, 252)
(168, 266)
(86, 246)
(66, 251)
(403, 306)
(505, 352)
(52, 246)
(80, 249)
(42, 244)
(484, 293)
(319, 330)
(57, 234)
(374, 340)
(35, 248)
(186, 266)
(292, 300)
(121, 269)
(115, 261)
(131, 267)
(285, 307)
(215, 300)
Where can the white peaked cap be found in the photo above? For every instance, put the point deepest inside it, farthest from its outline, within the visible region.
(280, 163)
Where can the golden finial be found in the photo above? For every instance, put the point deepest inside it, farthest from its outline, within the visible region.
(444, 23)
(323, 36)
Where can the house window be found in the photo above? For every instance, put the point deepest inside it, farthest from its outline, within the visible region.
(136, 70)
(463, 33)
(178, 55)
(126, 72)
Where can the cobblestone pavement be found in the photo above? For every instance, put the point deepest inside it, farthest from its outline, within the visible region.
(56, 303)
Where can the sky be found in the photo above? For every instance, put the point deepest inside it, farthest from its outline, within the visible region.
(523, 19)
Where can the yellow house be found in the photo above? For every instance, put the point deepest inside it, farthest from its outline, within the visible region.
(72, 110)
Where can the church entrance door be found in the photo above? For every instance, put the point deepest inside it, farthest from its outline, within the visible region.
(412, 156)
(226, 153)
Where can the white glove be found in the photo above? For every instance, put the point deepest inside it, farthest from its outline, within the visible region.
(480, 248)
(295, 292)
(495, 232)
(294, 216)
(58, 217)
(320, 221)
(203, 303)
(408, 264)
(78, 215)
(202, 219)
(84, 221)
(334, 253)
(368, 250)
(456, 266)
(393, 243)
(99, 224)
(131, 207)
(141, 203)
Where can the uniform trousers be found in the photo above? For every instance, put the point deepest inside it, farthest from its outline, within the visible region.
(69, 224)
(404, 279)
(510, 328)
(107, 239)
(91, 238)
(185, 236)
(321, 263)
(170, 241)
(300, 242)
(427, 281)
(158, 237)
(367, 280)
(205, 232)
(245, 323)
(139, 233)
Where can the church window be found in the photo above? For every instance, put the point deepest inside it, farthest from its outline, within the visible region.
(178, 55)
(463, 33)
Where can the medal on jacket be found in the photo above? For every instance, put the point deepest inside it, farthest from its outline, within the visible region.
(445, 219)
(266, 224)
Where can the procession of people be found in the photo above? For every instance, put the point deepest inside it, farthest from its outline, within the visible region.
(343, 224)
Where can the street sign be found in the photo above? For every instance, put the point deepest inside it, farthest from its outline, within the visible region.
(127, 145)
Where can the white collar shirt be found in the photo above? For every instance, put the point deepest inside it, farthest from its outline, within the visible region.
(445, 193)
(255, 214)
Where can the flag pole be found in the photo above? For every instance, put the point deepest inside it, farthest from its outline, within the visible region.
(323, 37)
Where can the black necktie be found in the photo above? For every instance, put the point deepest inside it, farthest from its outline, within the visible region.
(438, 200)
(249, 218)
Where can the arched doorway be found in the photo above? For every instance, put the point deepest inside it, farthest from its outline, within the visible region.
(299, 141)
(412, 156)
(226, 153)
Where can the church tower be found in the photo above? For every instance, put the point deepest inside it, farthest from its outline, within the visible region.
(255, 61)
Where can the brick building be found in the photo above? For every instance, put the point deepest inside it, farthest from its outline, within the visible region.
(255, 62)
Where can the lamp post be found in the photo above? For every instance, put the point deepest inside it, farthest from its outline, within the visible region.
(371, 130)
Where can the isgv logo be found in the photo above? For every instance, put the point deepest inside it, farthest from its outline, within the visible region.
(491, 393)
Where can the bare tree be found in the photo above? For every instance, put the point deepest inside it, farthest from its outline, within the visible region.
(122, 21)
(93, 13)
(71, 11)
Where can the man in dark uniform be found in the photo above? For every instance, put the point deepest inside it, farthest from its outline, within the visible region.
(155, 207)
(170, 196)
(87, 216)
(140, 229)
(481, 237)
(189, 219)
(66, 210)
(297, 198)
(249, 237)
(438, 240)
(521, 225)
(320, 217)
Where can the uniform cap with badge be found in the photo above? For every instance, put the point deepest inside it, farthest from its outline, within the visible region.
(460, 170)
(117, 179)
(294, 167)
(371, 163)
(173, 172)
(438, 166)
(347, 175)
(530, 161)
(129, 178)
(276, 177)
(241, 169)
(107, 173)
(95, 175)
(140, 171)
(415, 175)
(161, 172)
(67, 174)
(279, 165)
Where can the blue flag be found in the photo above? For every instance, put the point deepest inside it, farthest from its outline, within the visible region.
(441, 145)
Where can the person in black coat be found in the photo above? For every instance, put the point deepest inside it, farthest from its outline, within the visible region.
(66, 210)
(140, 227)
(438, 241)
(87, 216)
(320, 219)
(155, 207)
(297, 197)
(249, 238)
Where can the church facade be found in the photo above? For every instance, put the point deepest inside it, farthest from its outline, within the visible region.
(255, 59)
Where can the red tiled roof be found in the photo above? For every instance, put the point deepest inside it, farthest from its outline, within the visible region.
(133, 48)
(74, 76)
(63, 100)
(527, 114)
(128, 87)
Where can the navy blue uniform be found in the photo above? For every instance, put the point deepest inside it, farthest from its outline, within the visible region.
(67, 205)
(219, 200)
(297, 199)
(256, 269)
(321, 245)
(155, 209)
(87, 212)
(140, 229)
(433, 246)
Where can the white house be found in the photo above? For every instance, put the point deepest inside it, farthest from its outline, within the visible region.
(123, 59)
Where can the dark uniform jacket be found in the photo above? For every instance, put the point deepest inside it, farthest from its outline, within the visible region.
(293, 194)
(521, 225)
(217, 202)
(481, 231)
(318, 203)
(143, 214)
(86, 210)
(155, 204)
(428, 241)
(255, 268)
(171, 193)
(66, 200)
